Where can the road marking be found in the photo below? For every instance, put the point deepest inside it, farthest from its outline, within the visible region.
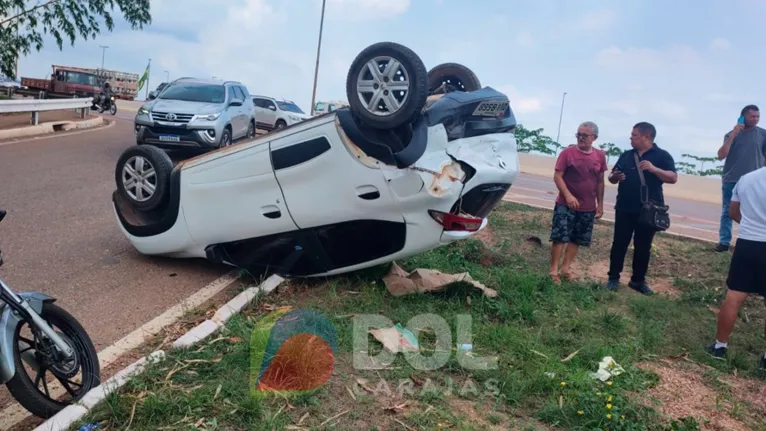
(59, 134)
(14, 414)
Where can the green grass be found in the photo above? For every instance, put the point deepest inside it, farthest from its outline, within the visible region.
(530, 327)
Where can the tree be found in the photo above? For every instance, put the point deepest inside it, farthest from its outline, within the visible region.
(686, 168)
(533, 140)
(20, 28)
(702, 160)
(611, 150)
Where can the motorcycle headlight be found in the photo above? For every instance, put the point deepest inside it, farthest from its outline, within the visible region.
(208, 117)
(112, 97)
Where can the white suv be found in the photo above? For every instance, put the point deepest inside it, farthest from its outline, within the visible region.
(273, 114)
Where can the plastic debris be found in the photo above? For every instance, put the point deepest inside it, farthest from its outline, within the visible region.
(607, 369)
(396, 339)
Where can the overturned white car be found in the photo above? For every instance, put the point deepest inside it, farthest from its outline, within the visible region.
(419, 159)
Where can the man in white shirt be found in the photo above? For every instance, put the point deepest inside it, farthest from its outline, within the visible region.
(747, 272)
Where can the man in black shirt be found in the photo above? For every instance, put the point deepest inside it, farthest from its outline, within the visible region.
(658, 168)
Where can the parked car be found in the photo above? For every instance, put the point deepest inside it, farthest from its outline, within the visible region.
(380, 180)
(196, 113)
(275, 114)
(321, 108)
(154, 93)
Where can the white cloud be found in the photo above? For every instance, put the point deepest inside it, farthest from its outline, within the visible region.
(596, 20)
(357, 10)
(720, 43)
(630, 107)
(520, 104)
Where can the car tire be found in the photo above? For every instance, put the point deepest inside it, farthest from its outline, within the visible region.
(153, 167)
(225, 138)
(280, 124)
(362, 87)
(455, 75)
(251, 130)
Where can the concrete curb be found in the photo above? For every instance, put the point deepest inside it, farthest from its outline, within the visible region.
(64, 419)
(46, 128)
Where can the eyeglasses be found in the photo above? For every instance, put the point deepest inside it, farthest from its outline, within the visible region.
(582, 135)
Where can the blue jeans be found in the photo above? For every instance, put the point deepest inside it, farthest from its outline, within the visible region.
(724, 232)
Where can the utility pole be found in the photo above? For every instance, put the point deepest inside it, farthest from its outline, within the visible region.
(167, 74)
(316, 68)
(103, 53)
(558, 135)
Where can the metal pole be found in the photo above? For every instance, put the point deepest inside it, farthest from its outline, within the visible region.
(147, 79)
(103, 52)
(558, 135)
(316, 68)
(167, 74)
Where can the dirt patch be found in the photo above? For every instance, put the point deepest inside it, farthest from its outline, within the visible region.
(486, 236)
(664, 286)
(461, 407)
(597, 271)
(682, 393)
(748, 391)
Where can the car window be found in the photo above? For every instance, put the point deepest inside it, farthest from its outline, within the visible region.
(319, 107)
(232, 95)
(269, 104)
(207, 93)
(290, 107)
(238, 92)
(331, 108)
(259, 102)
(244, 91)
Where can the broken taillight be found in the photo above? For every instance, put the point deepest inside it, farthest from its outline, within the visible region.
(456, 222)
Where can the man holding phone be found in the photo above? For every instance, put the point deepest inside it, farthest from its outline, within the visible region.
(658, 167)
(744, 149)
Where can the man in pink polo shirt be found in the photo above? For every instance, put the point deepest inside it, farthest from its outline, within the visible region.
(579, 177)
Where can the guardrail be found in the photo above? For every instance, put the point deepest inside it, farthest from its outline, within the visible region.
(35, 106)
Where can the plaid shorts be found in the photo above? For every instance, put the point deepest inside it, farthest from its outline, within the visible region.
(572, 226)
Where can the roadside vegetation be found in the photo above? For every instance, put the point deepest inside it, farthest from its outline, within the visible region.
(548, 340)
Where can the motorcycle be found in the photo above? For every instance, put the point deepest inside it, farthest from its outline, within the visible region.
(65, 352)
(108, 104)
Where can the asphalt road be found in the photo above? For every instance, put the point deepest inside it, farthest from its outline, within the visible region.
(691, 218)
(61, 237)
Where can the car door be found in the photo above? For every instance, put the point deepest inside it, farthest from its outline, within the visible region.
(270, 109)
(348, 206)
(261, 113)
(235, 113)
(243, 110)
(249, 107)
(235, 200)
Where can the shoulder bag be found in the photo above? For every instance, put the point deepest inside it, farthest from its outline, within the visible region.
(652, 215)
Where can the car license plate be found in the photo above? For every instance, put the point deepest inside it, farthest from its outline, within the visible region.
(490, 109)
(169, 138)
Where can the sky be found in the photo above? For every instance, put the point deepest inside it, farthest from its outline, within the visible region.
(688, 67)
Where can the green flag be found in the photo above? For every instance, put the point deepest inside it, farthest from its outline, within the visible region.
(143, 78)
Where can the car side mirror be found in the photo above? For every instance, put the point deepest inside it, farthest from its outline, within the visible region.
(273, 108)
(152, 96)
(235, 102)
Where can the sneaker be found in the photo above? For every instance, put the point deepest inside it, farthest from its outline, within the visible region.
(612, 285)
(721, 248)
(642, 288)
(719, 353)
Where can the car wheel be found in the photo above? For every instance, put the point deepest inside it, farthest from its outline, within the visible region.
(387, 85)
(225, 139)
(251, 130)
(281, 124)
(143, 175)
(448, 77)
